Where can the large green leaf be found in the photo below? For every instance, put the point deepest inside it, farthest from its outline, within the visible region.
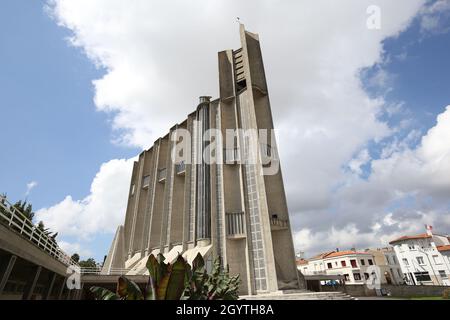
(175, 286)
(198, 263)
(171, 286)
(153, 267)
(150, 289)
(128, 289)
(103, 294)
(156, 267)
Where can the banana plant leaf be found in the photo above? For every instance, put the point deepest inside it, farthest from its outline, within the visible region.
(171, 286)
(128, 289)
(103, 294)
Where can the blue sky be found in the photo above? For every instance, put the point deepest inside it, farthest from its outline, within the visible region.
(54, 134)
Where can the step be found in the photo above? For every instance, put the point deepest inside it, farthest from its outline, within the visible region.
(301, 295)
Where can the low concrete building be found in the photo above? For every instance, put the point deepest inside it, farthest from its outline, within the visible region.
(424, 258)
(32, 266)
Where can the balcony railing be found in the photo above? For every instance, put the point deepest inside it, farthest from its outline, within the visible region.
(180, 168)
(20, 224)
(162, 173)
(277, 223)
(266, 150)
(231, 155)
(235, 224)
(98, 270)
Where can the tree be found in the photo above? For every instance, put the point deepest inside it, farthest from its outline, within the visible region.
(75, 257)
(25, 208)
(2, 210)
(89, 263)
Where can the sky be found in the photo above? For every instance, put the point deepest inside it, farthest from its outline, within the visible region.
(362, 113)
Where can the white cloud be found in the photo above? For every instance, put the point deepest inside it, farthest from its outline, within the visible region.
(434, 18)
(425, 169)
(160, 56)
(361, 159)
(100, 212)
(30, 186)
(415, 181)
(71, 248)
(345, 238)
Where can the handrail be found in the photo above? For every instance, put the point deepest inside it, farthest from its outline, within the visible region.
(231, 155)
(98, 270)
(180, 167)
(162, 173)
(283, 223)
(19, 223)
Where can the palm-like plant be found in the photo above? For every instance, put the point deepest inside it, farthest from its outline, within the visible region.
(176, 281)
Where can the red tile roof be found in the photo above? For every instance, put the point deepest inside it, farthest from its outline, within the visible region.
(345, 253)
(418, 236)
(321, 255)
(444, 248)
(301, 262)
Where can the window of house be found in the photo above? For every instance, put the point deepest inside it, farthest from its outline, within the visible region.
(411, 247)
(335, 263)
(443, 274)
(347, 277)
(405, 262)
(437, 259)
(329, 265)
(363, 262)
(357, 276)
(370, 262)
(366, 276)
(420, 260)
(353, 263)
(422, 276)
(146, 182)
(388, 260)
(343, 263)
(132, 189)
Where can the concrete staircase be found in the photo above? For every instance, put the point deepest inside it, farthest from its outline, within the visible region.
(301, 295)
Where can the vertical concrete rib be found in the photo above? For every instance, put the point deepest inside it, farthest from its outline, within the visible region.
(154, 182)
(130, 208)
(138, 193)
(149, 201)
(168, 192)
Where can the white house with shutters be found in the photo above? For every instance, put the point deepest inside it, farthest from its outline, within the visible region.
(424, 258)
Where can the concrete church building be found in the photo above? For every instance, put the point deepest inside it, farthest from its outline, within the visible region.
(228, 208)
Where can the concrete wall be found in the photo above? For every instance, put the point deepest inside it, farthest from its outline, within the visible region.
(396, 291)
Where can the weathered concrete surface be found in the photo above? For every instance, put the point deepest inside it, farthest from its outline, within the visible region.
(301, 296)
(394, 290)
(21, 247)
(99, 279)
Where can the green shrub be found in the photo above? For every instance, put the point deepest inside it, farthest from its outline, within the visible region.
(177, 281)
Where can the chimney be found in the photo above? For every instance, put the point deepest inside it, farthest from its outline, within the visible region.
(429, 230)
(205, 99)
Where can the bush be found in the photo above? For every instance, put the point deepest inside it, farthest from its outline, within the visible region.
(446, 294)
(177, 281)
